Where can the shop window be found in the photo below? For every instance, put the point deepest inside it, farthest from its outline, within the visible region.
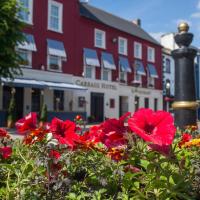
(112, 103)
(146, 102)
(55, 15)
(81, 102)
(58, 100)
(35, 97)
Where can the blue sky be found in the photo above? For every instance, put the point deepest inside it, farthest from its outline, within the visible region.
(158, 16)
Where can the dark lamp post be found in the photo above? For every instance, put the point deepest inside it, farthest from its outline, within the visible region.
(185, 104)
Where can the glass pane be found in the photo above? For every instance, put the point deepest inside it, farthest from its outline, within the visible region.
(105, 75)
(54, 23)
(24, 56)
(58, 100)
(54, 11)
(24, 12)
(88, 72)
(54, 62)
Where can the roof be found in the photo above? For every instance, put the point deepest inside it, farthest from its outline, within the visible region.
(113, 21)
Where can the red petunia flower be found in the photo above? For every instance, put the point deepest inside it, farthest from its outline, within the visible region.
(6, 152)
(64, 132)
(27, 123)
(154, 127)
(3, 132)
(185, 138)
(54, 154)
(114, 132)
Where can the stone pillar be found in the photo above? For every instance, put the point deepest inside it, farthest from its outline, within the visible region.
(185, 104)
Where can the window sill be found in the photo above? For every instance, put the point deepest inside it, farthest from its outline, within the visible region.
(53, 70)
(56, 31)
(123, 54)
(100, 47)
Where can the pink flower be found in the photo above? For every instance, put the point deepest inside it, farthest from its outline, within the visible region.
(154, 127)
(6, 152)
(27, 123)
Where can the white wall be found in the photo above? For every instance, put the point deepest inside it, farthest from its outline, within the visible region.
(167, 40)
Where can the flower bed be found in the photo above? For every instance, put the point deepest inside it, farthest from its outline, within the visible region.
(146, 159)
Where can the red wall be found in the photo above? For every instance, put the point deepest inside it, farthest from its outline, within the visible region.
(78, 32)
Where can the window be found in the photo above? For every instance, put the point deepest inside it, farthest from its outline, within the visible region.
(137, 50)
(167, 65)
(151, 82)
(100, 39)
(146, 102)
(151, 54)
(155, 104)
(26, 12)
(26, 57)
(112, 103)
(123, 77)
(122, 46)
(138, 79)
(106, 74)
(89, 72)
(137, 102)
(35, 100)
(58, 100)
(55, 15)
(54, 63)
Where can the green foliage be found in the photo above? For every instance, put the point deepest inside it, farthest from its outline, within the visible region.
(10, 34)
(43, 113)
(12, 109)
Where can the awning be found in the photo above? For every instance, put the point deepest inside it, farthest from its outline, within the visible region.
(30, 83)
(90, 57)
(124, 64)
(139, 67)
(108, 61)
(152, 71)
(56, 48)
(29, 44)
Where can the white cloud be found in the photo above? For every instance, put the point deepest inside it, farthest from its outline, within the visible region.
(195, 15)
(157, 35)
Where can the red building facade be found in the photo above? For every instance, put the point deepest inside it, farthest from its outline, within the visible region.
(78, 26)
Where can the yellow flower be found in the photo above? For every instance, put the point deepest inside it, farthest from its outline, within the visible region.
(194, 142)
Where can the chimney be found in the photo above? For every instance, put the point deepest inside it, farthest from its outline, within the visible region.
(137, 22)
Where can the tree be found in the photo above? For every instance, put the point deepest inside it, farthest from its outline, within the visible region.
(10, 34)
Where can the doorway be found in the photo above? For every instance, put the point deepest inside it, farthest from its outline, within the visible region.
(123, 105)
(97, 107)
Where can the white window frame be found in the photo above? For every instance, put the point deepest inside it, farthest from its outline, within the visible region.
(60, 19)
(30, 13)
(137, 50)
(125, 51)
(109, 74)
(151, 54)
(138, 78)
(103, 33)
(125, 76)
(93, 71)
(151, 82)
(29, 57)
(59, 64)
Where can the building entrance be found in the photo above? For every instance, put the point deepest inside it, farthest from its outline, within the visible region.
(97, 107)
